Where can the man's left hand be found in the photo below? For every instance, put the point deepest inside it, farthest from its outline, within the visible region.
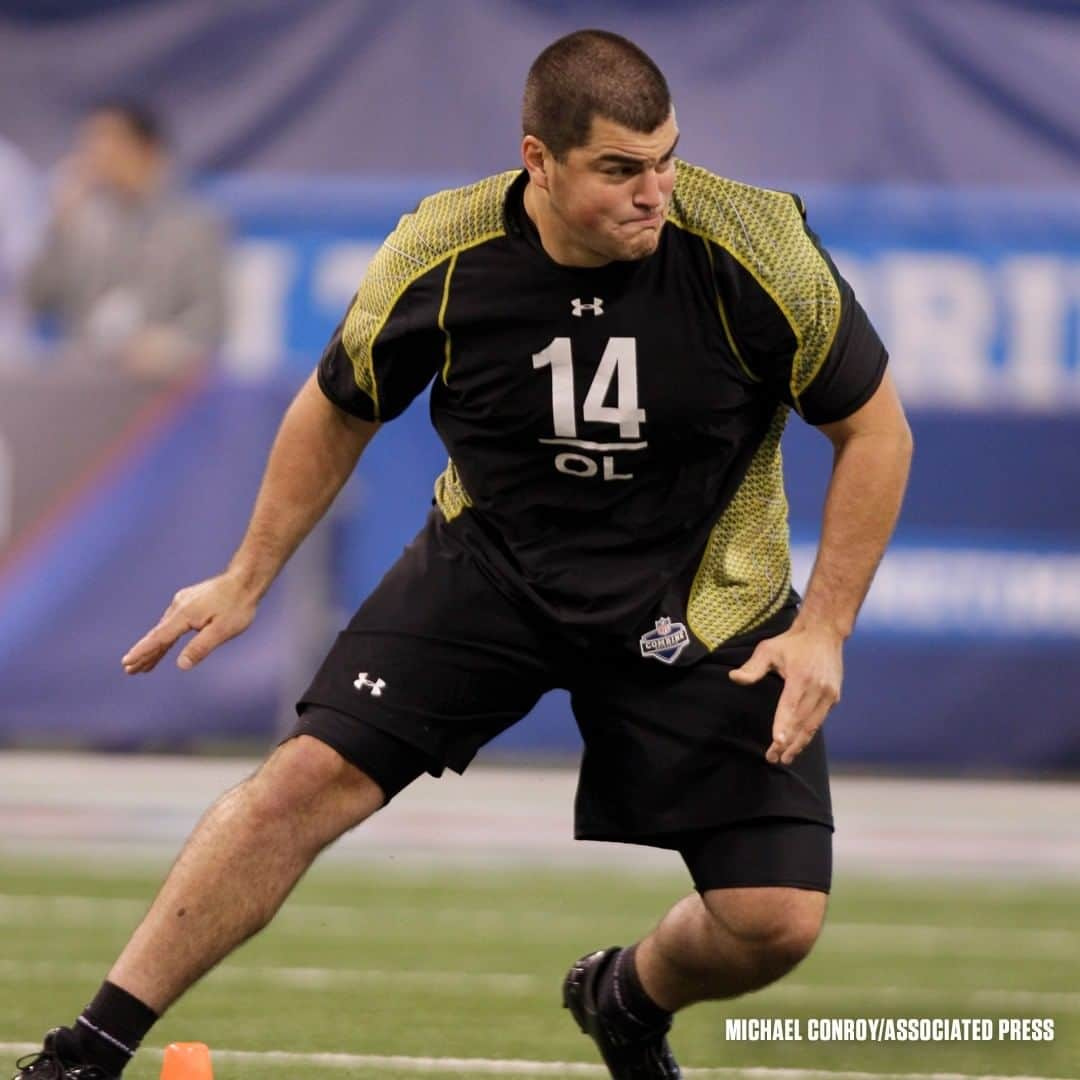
(810, 661)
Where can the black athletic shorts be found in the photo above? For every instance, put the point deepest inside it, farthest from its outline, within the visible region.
(441, 661)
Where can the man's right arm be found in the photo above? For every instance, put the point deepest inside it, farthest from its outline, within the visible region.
(44, 284)
(57, 264)
(315, 452)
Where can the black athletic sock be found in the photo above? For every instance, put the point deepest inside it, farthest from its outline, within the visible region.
(622, 996)
(111, 1027)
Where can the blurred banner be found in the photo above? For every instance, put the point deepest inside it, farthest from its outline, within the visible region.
(894, 91)
(964, 657)
(115, 493)
(938, 149)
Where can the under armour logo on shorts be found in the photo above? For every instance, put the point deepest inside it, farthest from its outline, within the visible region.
(362, 682)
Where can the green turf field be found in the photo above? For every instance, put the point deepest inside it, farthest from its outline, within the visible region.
(467, 964)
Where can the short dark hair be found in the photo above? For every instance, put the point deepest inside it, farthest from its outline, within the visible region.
(144, 123)
(591, 73)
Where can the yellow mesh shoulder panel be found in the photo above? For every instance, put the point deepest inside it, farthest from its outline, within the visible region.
(745, 573)
(442, 225)
(764, 231)
(450, 494)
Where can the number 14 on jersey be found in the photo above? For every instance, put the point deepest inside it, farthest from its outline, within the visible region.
(617, 365)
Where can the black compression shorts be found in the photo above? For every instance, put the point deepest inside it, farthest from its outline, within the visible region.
(744, 854)
(441, 661)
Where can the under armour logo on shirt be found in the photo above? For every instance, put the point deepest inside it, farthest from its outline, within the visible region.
(579, 308)
(362, 682)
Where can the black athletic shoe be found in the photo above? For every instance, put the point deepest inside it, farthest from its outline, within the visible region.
(58, 1059)
(629, 1055)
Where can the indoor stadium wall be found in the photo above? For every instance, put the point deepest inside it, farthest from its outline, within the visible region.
(939, 167)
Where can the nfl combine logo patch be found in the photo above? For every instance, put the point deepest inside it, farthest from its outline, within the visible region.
(665, 642)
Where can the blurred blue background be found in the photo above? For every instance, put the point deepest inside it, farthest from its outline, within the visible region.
(938, 149)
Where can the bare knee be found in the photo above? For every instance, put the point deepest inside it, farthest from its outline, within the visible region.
(304, 779)
(776, 927)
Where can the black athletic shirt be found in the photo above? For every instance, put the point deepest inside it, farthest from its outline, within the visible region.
(614, 432)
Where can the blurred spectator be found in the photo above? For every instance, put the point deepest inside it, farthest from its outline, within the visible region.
(19, 233)
(132, 269)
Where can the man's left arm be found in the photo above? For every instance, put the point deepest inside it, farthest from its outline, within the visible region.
(196, 328)
(872, 454)
(202, 318)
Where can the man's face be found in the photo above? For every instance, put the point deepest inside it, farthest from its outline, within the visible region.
(611, 195)
(113, 154)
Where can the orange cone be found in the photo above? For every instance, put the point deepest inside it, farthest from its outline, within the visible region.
(187, 1061)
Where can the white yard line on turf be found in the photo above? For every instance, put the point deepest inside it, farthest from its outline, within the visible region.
(470, 982)
(309, 978)
(519, 1067)
(23, 909)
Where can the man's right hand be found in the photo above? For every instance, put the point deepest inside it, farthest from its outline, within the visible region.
(218, 608)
